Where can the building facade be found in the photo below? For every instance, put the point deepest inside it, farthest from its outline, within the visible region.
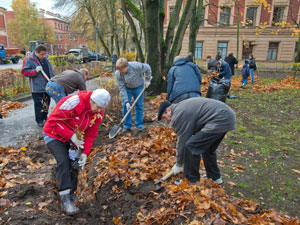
(65, 37)
(3, 31)
(259, 32)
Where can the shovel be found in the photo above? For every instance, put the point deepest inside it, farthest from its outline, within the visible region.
(45, 75)
(159, 182)
(116, 128)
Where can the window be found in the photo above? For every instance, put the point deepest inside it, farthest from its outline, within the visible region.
(272, 51)
(75, 37)
(198, 50)
(225, 16)
(222, 47)
(60, 37)
(70, 37)
(277, 15)
(55, 25)
(251, 16)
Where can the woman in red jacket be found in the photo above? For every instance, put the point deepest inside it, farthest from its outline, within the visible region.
(75, 118)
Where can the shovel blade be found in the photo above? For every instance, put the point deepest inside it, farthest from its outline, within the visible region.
(114, 131)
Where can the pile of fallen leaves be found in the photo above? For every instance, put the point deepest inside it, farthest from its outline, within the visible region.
(105, 74)
(134, 161)
(236, 83)
(159, 99)
(8, 106)
(13, 159)
(7, 76)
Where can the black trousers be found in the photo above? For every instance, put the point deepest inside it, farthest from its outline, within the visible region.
(66, 176)
(41, 106)
(204, 144)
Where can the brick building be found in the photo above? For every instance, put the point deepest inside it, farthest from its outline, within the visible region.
(218, 32)
(3, 31)
(65, 37)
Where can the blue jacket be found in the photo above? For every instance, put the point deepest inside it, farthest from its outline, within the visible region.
(245, 71)
(184, 76)
(225, 71)
(114, 58)
(37, 81)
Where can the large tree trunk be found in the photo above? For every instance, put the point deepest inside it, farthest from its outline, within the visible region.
(152, 31)
(196, 20)
(134, 31)
(185, 19)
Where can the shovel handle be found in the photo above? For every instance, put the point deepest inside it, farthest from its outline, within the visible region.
(45, 75)
(167, 176)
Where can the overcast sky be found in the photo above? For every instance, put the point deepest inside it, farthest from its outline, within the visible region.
(44, 4)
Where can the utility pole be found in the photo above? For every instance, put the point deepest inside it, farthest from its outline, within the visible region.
(238, 31)
(96, 42)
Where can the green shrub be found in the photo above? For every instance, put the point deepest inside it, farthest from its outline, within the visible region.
(130, 56)
(61, 60)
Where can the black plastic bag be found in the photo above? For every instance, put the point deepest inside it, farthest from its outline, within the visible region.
(218, 89)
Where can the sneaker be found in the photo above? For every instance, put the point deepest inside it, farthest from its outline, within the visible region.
(177, 182)
(140, 129)
(126, 130)
(218, 181)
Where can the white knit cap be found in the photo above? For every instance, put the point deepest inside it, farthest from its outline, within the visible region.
(101, 97)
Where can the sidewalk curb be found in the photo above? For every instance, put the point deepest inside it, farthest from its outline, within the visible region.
(28, 97)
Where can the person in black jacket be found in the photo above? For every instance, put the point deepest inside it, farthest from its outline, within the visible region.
(231, 60)
(219, 56)
(252, 66)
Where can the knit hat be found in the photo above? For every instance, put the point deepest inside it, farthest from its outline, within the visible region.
(162, 108)
(101, 97)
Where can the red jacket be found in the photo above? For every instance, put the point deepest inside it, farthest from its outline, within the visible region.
(73, 114)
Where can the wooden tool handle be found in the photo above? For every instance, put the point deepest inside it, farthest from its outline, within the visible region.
(167, 176)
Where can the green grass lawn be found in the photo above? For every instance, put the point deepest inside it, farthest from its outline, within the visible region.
(267, 144)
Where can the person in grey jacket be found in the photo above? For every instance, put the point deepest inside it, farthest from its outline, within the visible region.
(200, 125)
(184, 80)
(130, 79)
(31, 68)
(67, 82)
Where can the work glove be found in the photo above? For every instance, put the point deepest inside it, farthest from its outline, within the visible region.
(147, 83)
(79, 143)
(39, 69)
(176, 169)
(82, 160)
(127, 106)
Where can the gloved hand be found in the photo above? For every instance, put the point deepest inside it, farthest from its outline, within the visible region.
(176, 169)
(39, 69)
(127, 106)
(147, 83)
(76, 141)
(82, 160)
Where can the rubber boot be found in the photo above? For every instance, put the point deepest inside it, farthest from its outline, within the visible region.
(66, 204)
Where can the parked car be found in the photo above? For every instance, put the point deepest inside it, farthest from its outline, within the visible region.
(80, 53)
(92, 57)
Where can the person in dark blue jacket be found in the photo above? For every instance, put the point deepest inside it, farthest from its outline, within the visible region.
(184, 80)
(32, 68)
(225, 72)
(245, 73)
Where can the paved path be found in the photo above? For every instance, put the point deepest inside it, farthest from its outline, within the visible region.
(11, 65)
(20, 128)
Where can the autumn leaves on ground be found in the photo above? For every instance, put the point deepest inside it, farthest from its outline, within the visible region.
(117, 185)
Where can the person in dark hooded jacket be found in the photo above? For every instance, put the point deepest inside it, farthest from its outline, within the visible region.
(184, 80)
(231, 60)
(245, 73)
(225, 72)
